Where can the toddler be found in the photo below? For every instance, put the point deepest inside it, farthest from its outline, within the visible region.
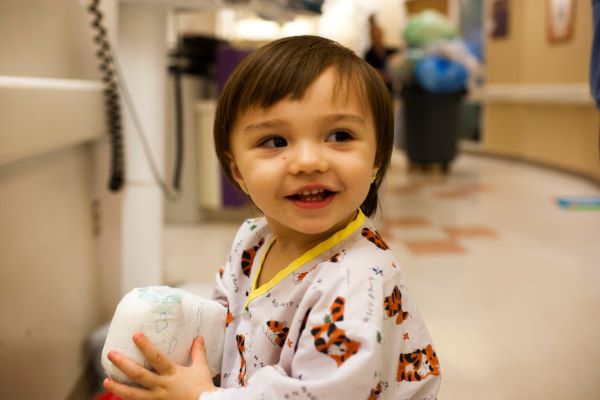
(317, 307)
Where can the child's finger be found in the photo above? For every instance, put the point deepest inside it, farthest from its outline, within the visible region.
(125, 391)
(134, 371)
(160, 362)
(199, 352)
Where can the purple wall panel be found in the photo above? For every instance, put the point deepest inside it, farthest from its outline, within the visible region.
(227, 59)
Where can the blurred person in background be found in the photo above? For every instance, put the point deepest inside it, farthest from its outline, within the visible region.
(378, 55)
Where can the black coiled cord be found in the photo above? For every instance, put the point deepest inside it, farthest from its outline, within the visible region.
(178, 131)
(112, 100)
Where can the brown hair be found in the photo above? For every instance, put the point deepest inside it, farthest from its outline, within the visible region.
(286, 68)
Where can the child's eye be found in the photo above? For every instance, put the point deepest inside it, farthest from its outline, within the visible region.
(339, 136)
(274, 142)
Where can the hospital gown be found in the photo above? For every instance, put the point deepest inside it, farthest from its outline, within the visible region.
(337, 323)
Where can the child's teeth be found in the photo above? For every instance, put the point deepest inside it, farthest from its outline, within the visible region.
(312, 195)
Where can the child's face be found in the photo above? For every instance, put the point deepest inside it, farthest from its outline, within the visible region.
(308, 163)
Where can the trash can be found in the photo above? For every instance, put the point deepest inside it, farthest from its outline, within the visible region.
(431, 126)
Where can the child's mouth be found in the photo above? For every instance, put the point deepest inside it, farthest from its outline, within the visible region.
(311, 196)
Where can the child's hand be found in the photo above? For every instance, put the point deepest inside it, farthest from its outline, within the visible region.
(170, 381)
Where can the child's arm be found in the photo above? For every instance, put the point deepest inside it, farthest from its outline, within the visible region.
(168, 381)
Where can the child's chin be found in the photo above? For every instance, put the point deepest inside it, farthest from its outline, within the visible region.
(317, 227)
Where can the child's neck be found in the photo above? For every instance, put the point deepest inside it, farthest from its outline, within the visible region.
(280, 255)
(296, 243)
(295, 247)
(288, 247)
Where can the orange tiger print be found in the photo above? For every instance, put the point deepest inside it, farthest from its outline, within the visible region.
(228, 318)
(248, 257)
(299, 276)
(393, 306)
(336, 258)
(337, 309)
(418, 365)
(277, 332)
(242, 377)
(331, 340)
(375, 238)
(375, 392)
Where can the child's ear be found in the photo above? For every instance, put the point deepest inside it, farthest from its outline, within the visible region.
(235, 173)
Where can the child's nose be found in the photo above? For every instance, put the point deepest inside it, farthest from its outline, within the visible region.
(308, 158)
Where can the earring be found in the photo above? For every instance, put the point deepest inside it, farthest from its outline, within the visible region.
(373, 179)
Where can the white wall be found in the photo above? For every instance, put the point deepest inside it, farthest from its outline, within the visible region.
(48, 288)
(48, 275)
(45, 38)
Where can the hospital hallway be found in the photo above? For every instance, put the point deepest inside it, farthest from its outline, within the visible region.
(110, 182)
(506, 279)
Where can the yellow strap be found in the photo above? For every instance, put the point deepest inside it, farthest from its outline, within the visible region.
(304, 258)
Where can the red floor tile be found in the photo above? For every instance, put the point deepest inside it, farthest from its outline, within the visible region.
(428, 247)
(469, 231)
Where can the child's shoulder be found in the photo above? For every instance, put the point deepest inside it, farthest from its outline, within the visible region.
(366, 253)
(370, 245)
(252, 233)
(252, 227)
(252, 224)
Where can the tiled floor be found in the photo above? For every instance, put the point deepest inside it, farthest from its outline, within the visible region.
(507, 281)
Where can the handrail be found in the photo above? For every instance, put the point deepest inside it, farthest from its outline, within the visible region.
(39, 115)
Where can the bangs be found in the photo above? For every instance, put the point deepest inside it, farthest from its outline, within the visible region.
(278, 78)
(348, 84)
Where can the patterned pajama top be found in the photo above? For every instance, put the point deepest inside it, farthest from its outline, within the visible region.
(336, 323)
